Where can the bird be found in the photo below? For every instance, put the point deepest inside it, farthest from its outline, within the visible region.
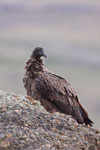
(54, 92)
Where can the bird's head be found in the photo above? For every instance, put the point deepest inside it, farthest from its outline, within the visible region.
(38, 52)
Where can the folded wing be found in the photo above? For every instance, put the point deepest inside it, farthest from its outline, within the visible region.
(59, 93)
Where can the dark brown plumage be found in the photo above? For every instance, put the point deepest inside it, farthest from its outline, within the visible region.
(54, 92)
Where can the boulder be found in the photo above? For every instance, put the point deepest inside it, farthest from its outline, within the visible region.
(26, 125)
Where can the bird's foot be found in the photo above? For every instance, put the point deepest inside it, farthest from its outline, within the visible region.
(30, 99)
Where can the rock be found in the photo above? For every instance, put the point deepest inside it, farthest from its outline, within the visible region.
(26, 125)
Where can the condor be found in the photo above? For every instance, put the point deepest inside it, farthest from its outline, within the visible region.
(53, 91)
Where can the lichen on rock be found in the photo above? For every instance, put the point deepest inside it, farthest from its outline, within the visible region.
(26, 125)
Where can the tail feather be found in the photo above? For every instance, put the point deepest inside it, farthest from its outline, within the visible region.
(85, 116)
(81, 115)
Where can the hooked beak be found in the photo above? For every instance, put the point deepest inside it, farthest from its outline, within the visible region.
(43, 54)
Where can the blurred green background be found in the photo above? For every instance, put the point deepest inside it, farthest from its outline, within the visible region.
(68, 30)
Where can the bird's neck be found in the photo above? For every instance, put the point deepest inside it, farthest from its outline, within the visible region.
(34, 67)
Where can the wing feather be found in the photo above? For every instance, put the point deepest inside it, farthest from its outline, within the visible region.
(59, 92)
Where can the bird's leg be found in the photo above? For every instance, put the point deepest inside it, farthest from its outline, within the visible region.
(27, 98)
(30, 99)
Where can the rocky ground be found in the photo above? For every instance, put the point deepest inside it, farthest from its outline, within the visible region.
(25, 125)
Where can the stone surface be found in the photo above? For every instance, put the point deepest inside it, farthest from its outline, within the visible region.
(25, 125)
